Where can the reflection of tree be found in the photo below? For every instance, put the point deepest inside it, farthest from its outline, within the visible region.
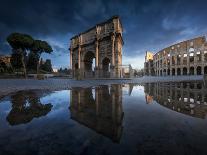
(25, 107)
(99, 108)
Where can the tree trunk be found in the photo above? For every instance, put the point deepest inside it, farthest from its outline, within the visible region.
(24, 66)
(38, 64)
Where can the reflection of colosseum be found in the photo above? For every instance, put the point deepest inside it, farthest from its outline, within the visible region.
(184, 58)
(187, 98)
(99, 108)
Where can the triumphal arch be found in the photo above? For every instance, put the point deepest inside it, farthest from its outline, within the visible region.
(97, 52)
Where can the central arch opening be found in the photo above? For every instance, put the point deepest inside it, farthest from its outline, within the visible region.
(106, 67)
(89, 64)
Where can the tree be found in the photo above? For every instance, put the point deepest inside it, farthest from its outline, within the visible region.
(16, 60)
(47, 66)
(38, 48)
(33, 60)
(20, 43)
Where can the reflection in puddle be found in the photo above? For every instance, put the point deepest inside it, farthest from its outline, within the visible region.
(186, 98)
(101, 112)
(103, 120)
(26, 105)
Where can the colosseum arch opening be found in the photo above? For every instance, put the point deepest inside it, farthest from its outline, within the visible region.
(205, 70)
(185, 71)
(191, 72)
(198, 70)
(173, 71)
(178, 71)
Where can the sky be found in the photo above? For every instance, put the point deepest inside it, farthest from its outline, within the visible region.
(148, 24)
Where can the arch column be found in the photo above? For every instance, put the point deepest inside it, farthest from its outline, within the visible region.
(202, 70)
(79, 57)
(97, 60)
(71, 58)
(112, 67)
(195, 70)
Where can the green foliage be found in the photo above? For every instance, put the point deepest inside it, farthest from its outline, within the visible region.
(20, 41)
(40, 46)
(16, 60)
(47, 66)
(32, 61)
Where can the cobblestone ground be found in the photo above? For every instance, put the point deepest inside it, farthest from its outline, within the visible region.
(12, 85)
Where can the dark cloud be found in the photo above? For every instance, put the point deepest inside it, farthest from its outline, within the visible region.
(148, 25)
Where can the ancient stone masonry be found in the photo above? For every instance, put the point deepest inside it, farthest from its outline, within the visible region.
(99, 108)
(103, 43)
(184, 58)
(187, 98)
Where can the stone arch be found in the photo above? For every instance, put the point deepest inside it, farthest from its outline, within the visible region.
(88, 61)
(178, 71)
(191, 71)
(185, 71)
(173, 71)
(205, 70)
(106, 67)
(198, 70)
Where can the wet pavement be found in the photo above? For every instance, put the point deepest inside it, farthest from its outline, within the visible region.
(161, 118)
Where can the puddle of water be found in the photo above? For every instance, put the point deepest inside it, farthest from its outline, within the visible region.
(118, 119)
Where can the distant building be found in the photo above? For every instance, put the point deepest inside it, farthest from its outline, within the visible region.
(5, 59)
(55, 70)
(184, 58)
(148, 65)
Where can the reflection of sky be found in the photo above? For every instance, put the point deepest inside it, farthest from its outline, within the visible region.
(60, 101)
(152, 127)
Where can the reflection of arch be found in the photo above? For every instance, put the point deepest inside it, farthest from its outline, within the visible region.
(191, 72)
(205, 70)
(184, 71)
(103, 113)
(198, 70)
(88, 61)
(173, 71)
(178, 71)
(105, 67)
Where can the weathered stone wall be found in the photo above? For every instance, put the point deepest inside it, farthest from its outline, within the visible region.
(184, 58)
(102, 42)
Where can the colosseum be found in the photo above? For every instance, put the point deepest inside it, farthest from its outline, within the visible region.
(101, 45)
(184, 58)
